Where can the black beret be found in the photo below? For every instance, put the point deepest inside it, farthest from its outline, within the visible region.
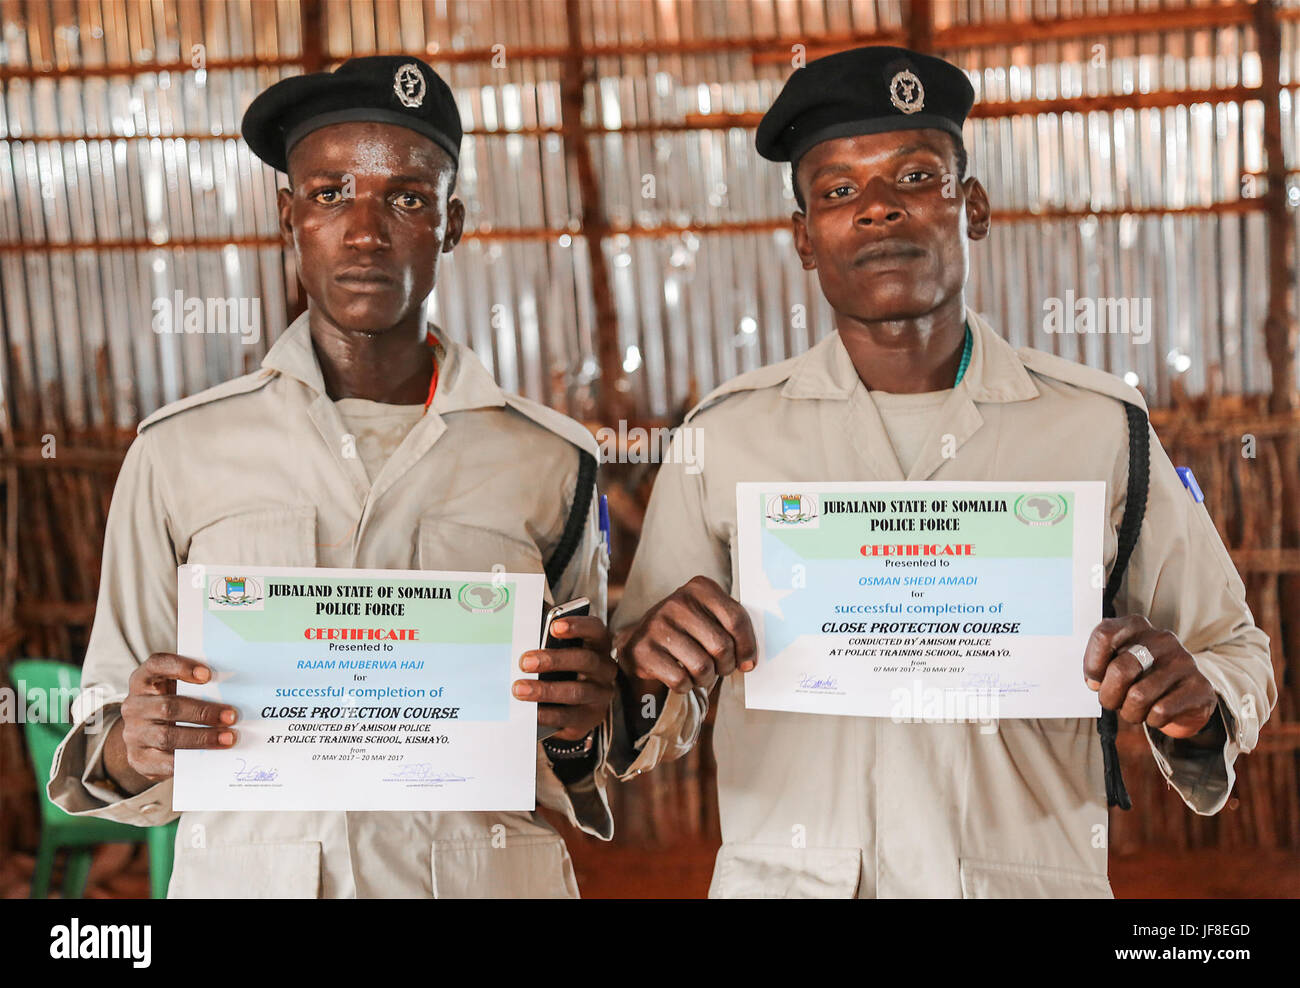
(863, 91)
(395, 89)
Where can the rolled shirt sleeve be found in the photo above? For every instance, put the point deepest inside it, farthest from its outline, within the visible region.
(675, 732)
(1182, 578)
(677, 543)
(135, 616)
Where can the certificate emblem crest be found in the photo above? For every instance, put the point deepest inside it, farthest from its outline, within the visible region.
(483, 598)
(1040, 510)
(409, 85)
(906, 92)
(235, 593)
(791, 511)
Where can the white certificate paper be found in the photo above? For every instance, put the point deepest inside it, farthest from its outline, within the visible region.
(932, 601)
(361, 689)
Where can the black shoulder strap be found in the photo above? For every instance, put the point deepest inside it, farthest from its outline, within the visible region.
(568, 544)
(1130, 526)
(1135, 502)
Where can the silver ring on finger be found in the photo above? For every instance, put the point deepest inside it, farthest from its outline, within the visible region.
(1143, 654)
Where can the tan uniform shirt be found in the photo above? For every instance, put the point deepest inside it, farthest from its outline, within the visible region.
(262, 471)
(843, 806)
(377, 429)
(908, 421)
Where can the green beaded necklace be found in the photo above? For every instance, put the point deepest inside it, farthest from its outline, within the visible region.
(965, 357)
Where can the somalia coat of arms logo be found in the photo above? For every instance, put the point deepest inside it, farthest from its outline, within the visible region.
(242, 593)
(792, 510)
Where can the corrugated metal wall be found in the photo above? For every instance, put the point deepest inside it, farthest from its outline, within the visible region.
(145, 166)
(133, 163)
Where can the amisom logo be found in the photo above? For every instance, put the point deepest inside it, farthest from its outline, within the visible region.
(483, 598)
(1039, 510)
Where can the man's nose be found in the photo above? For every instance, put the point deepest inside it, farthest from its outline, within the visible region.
(880, 205)
(367, 225)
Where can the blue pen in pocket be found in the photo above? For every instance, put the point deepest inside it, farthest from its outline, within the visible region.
(604, 523)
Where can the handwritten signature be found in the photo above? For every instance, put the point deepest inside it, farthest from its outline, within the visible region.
(825, 683)
(256, 773)
(423, 772)
(992, 682)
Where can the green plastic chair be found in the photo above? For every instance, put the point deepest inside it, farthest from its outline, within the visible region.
(35, 681)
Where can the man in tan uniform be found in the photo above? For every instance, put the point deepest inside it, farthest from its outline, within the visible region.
(915, 386)
(367, 440)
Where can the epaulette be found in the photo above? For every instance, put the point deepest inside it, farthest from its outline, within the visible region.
(755, 380)
(557, 422)
(227, 389)
(1080, 375)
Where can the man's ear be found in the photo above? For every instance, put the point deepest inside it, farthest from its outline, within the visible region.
(455, 224)
(978, 214)
(802, 243)
(283, 204)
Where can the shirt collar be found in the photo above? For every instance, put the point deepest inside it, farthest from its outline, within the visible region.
(293, 356)
(463, 381)
(995, 374)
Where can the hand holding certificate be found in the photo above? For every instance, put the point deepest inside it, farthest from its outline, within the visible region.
(360, 689)
(933, 601)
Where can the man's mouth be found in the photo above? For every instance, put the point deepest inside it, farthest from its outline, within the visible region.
(887, 251)
(364, 279)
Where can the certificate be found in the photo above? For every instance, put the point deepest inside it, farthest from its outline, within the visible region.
(922, 601)
(361, 689)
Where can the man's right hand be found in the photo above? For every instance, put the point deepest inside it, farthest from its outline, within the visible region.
(692, 638)
(140, 747)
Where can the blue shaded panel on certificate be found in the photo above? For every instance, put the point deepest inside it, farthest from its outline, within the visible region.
(802, 595)
(453, 668)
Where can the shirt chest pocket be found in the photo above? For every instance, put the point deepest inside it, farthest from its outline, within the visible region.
(1007, 880)
(248, 871)
(776, 871)
(453, 545)
(531, 866)
(279, 536)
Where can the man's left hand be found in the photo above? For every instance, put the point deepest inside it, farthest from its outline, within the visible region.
(1171, 695)
(575, 706)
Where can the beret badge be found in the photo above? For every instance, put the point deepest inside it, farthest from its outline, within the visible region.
(408, 84)
(906, 92)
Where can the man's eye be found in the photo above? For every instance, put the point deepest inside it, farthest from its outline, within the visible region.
(918, 175)
(327, 196)
(833, 193)
(409, 200)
